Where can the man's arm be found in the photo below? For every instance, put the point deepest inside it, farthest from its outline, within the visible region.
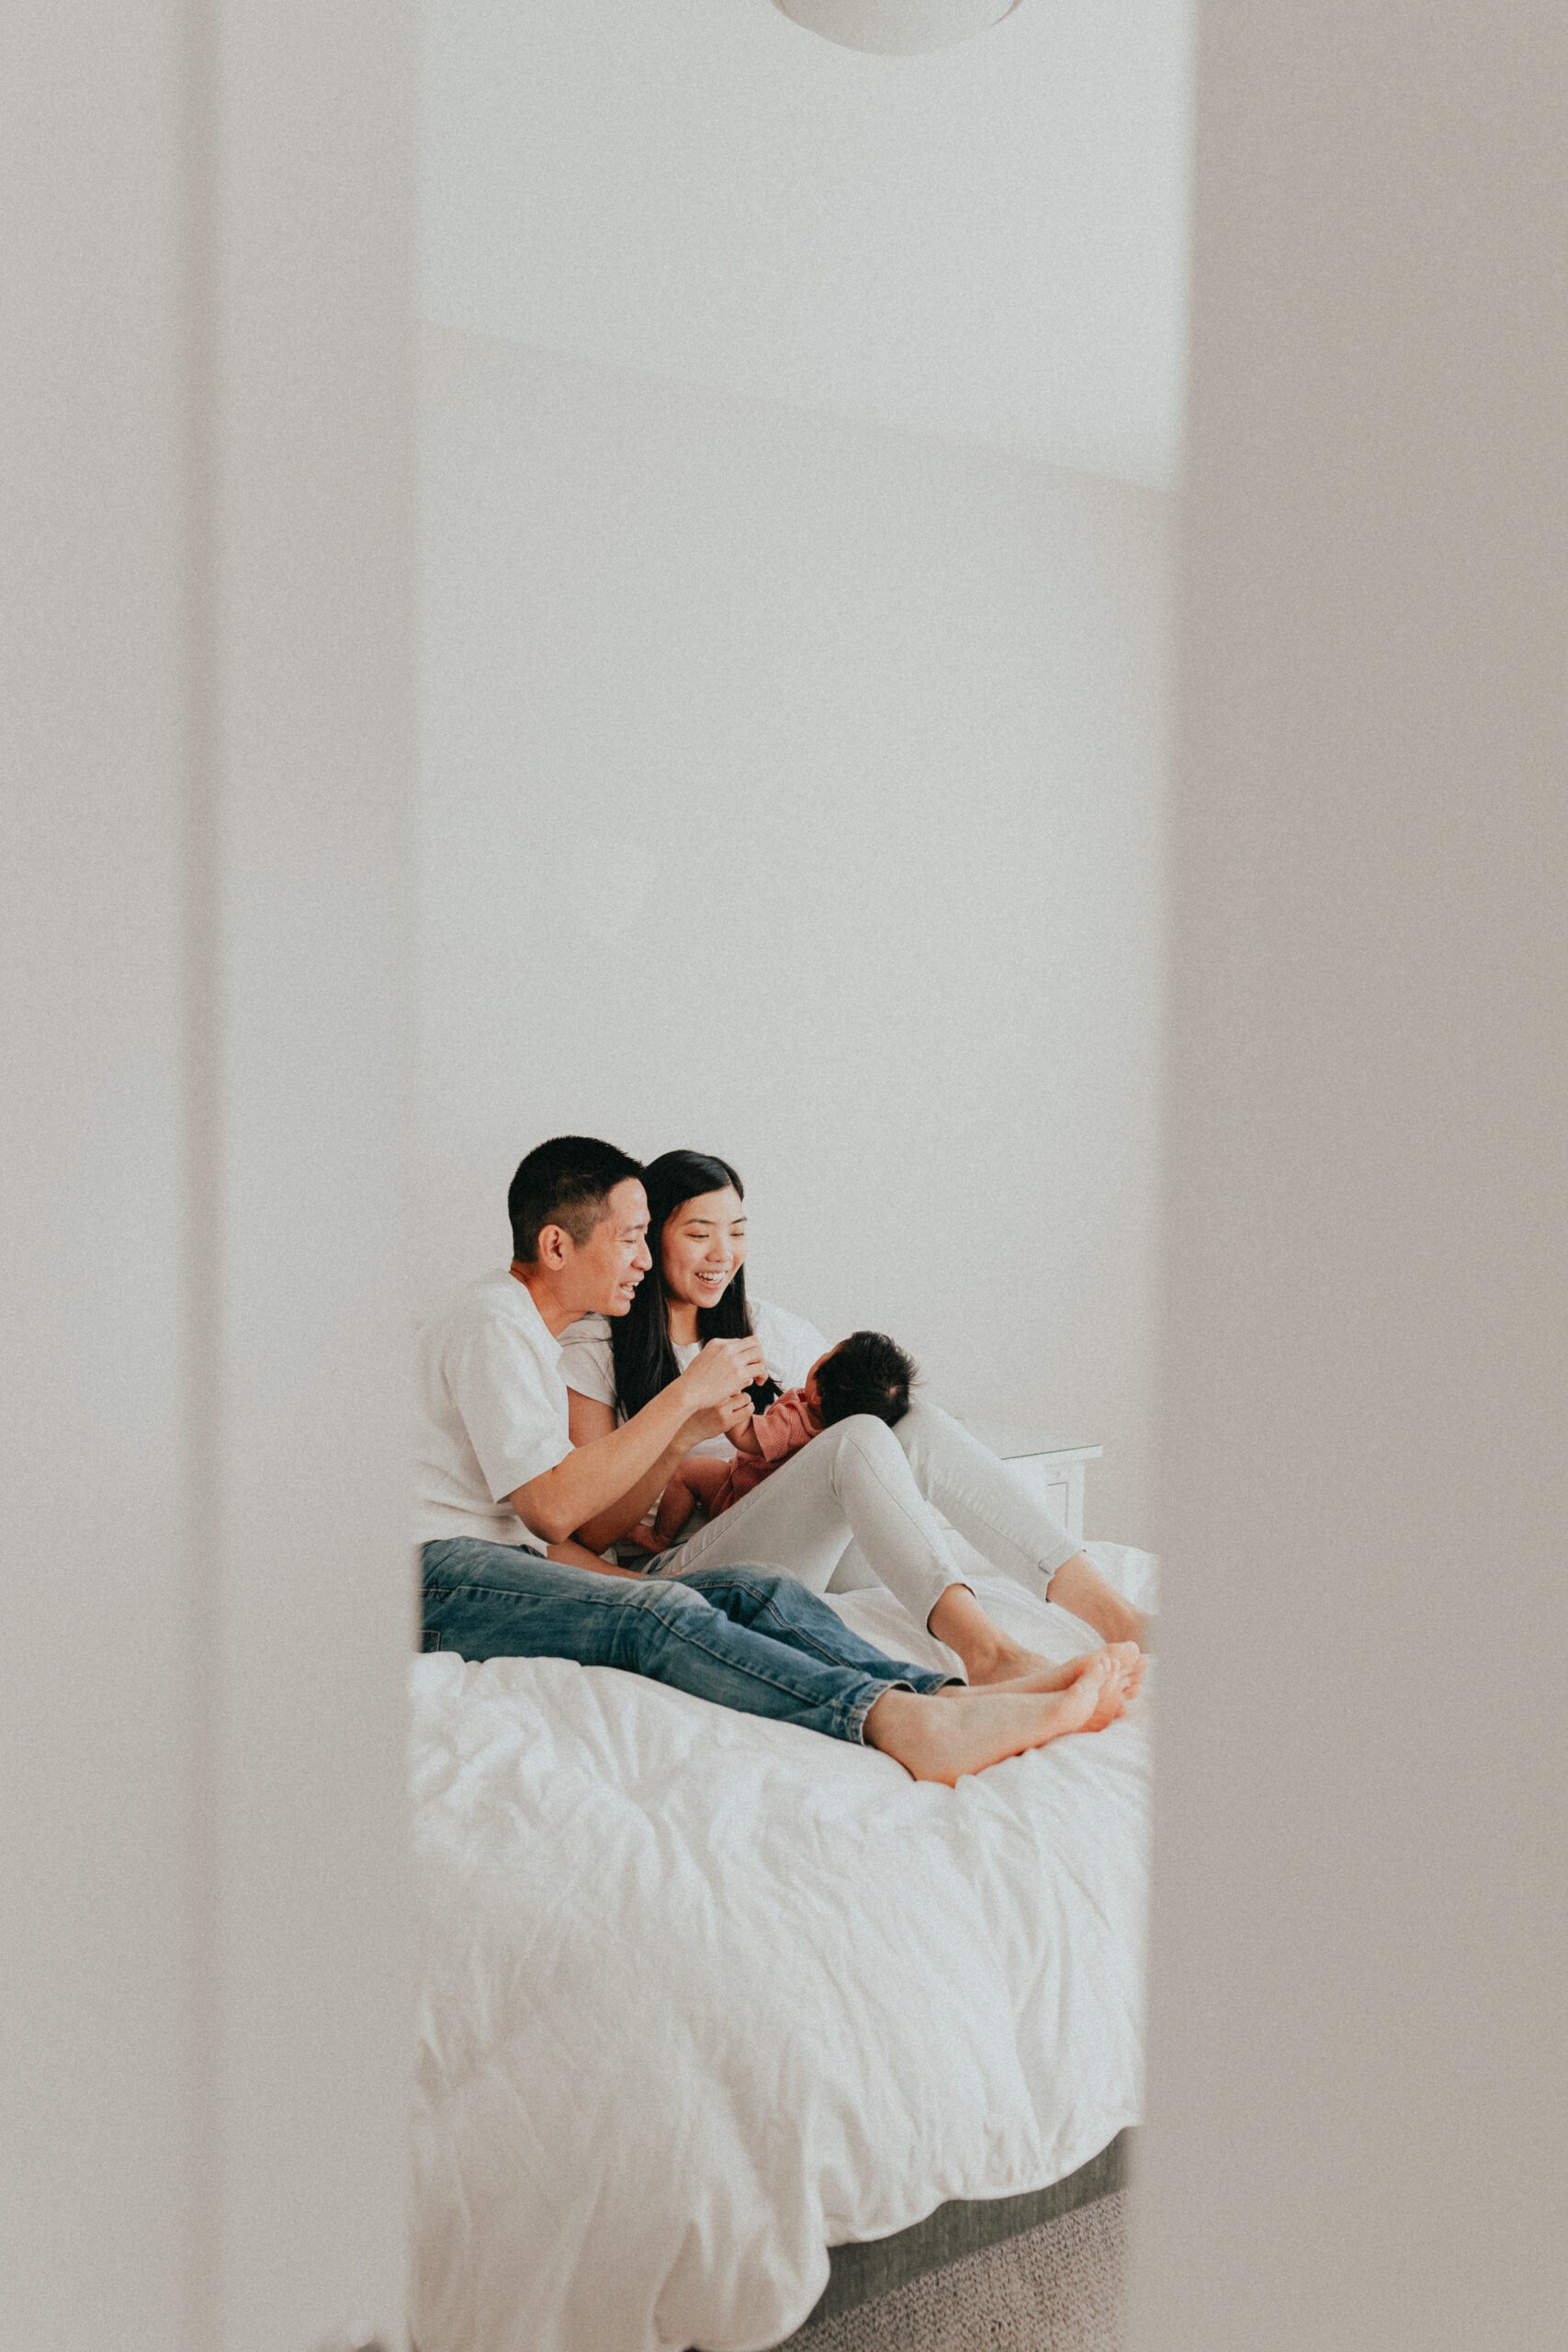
(621, 1517)
(574, 1498)
(627, 1510)
(591, 1422)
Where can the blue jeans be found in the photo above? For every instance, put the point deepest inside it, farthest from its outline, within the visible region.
(740, 1636)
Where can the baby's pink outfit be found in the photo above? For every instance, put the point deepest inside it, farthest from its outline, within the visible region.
(782, 1431)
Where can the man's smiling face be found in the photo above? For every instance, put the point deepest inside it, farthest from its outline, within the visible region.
(605, 1269)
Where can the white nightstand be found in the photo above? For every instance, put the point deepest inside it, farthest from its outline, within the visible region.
(1053, 1467)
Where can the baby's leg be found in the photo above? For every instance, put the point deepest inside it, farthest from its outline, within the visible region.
(674, 1511)
(702, 1476)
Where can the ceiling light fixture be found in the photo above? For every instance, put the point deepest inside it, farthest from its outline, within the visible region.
(896, 27)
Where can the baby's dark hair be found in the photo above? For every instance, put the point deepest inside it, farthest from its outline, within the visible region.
(868, 1373)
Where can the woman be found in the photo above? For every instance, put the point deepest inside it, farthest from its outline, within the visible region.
(860, 1479)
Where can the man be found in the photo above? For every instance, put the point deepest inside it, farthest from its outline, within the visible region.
(500, 1489)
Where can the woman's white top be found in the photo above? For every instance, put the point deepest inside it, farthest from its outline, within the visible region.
(789, 1342)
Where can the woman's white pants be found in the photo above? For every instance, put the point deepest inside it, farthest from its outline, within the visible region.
(877, 1486)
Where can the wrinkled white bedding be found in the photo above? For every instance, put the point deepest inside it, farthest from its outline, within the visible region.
(702, 1994)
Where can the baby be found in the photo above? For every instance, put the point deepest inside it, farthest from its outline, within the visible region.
(864, 1374)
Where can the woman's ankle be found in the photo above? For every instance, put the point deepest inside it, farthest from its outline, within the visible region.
(1078, 1587)
(960, 1623)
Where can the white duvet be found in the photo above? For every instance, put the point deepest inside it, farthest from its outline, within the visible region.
(702, 1994)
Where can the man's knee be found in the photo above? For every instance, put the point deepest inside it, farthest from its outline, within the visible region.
(664, 1598)
(731, 1589)
(643, 1617)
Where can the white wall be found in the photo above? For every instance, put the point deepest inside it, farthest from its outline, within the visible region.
(101, 2099)
(986, 242)
(1358, 2108)
(792, 789)
(206, 2009)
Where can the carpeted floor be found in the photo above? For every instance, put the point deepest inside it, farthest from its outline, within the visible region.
(1057, 2289)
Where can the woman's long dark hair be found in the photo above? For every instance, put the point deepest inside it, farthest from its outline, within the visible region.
(640, 1341)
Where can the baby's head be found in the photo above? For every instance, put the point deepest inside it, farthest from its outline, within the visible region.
(868, 1373)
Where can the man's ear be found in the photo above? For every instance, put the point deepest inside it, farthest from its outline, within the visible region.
(553, 1247)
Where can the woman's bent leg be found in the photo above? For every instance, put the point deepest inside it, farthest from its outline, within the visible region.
(997, 1513)
(990, 1507)
(852, 1480)
(499, 1600)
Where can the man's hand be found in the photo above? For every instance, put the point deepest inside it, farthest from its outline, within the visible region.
(723, 1367)
(616, 1473)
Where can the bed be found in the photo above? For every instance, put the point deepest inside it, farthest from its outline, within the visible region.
(703, 1996)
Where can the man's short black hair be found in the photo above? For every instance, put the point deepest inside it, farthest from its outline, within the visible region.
(868, 1373)
(566, 1181)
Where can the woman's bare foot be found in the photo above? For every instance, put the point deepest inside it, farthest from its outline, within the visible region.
(1004, 1662)
(937, 1742)
(992, 1659)
(1079, 1586)
(1129, 1658)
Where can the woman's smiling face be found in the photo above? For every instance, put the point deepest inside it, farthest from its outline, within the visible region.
(703, 1244)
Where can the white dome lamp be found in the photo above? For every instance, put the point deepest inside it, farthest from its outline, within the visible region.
(896, 27)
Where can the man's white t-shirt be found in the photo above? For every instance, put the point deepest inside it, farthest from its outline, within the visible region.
(790, 1344)
(492, 1413)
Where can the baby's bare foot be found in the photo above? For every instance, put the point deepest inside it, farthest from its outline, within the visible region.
(937, 1742)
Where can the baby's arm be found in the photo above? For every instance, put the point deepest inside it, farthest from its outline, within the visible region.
(772, 1435)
